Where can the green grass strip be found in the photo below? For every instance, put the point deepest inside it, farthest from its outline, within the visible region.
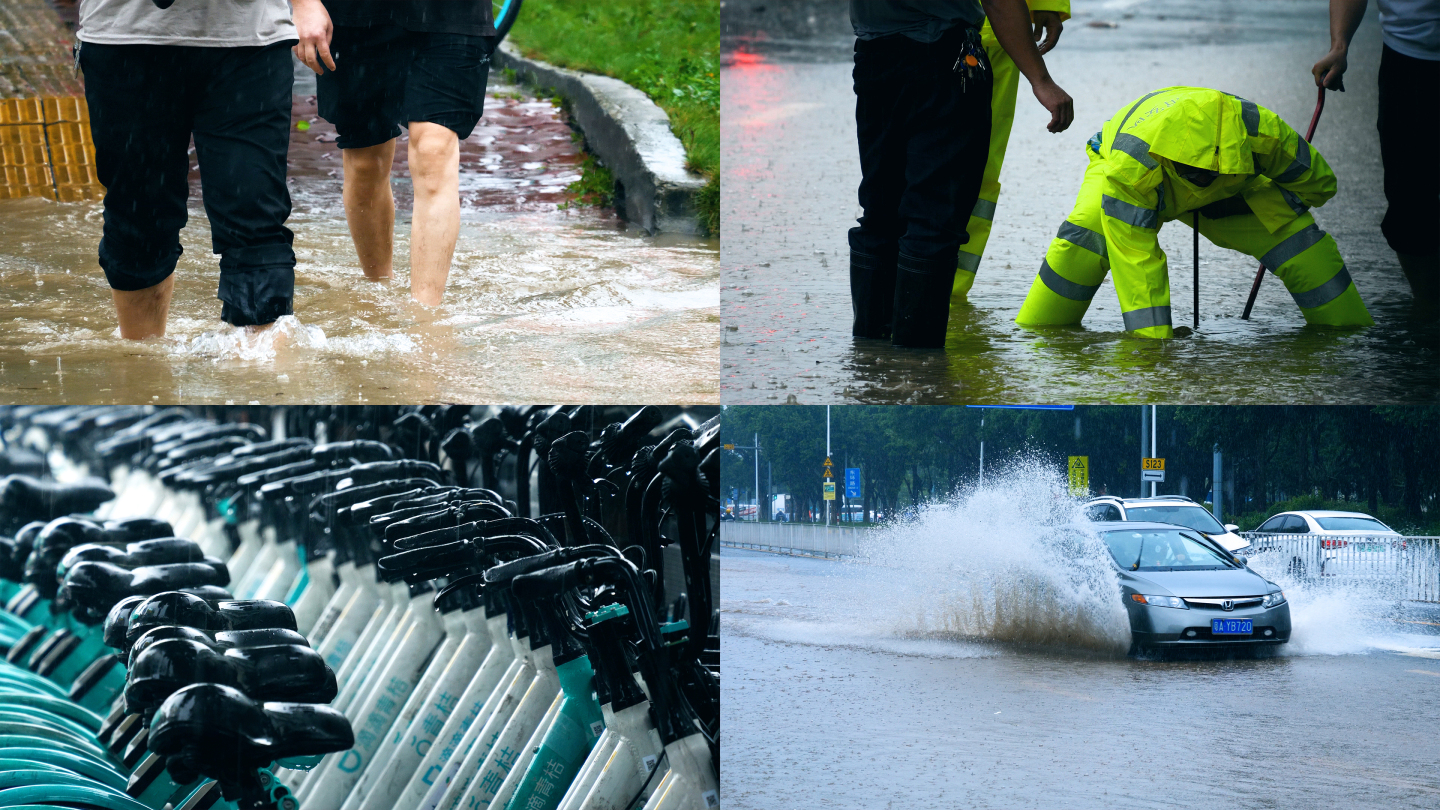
(669, 49)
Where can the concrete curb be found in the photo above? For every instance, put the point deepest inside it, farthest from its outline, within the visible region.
(631, 135)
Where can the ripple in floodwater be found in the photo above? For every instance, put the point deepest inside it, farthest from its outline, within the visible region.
(541, 303)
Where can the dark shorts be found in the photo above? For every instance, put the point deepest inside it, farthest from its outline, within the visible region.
(146, 103)
(387, 77)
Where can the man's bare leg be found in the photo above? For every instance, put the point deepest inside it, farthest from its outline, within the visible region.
(143, 312)
(435, 222)
(370, 207)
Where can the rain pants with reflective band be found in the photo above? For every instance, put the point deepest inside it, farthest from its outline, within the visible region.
(1002, 117)
(1132, 186)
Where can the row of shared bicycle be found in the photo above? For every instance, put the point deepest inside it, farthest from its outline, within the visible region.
(359, 608)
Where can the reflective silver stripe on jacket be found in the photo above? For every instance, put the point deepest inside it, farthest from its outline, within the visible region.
(1325, 293)
(1293, 246)
(1064, 287)
(1250, 114)
(1083, 237)
(984, 209)
(1294, 201)
(1142, 100)
(1129, 212)
(1135, 148)
(969, 261)
(1299, 165)
(1149, 316)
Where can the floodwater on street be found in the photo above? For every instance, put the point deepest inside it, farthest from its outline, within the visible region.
(541, 303)
(788, 198)
(966, 662)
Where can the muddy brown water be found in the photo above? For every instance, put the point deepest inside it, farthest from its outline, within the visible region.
(542, 303)
(788, 197)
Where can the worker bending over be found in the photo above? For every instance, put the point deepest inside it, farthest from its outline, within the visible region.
(1179, 150)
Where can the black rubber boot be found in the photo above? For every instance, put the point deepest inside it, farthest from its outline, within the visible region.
(872, 292)
(922, 302)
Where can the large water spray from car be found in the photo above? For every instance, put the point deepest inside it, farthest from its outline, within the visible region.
(1006, 561)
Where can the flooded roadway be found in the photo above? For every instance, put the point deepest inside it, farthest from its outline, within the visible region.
(788, 197)
(541, 304)
(829, 703)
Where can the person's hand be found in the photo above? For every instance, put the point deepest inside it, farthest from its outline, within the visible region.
(1049, 24)
(1330, 71)
(1057, 101)
(312, 25)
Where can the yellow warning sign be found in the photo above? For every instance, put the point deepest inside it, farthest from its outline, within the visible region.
(1079, 475)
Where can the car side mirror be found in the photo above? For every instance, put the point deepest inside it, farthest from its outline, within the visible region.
(1231, 527)
(1242, 559)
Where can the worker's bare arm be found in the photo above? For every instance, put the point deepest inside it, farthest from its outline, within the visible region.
(1010, 19)
(1345, 17)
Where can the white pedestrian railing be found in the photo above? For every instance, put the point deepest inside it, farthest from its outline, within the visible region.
(1405, 567)
(800, 539)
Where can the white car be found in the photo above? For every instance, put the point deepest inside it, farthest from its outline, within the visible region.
(1174, 509)
(1347, 544)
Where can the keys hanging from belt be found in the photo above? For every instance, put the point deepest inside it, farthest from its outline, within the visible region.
(972, 62)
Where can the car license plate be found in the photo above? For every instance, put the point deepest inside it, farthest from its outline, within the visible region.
(1232, 627)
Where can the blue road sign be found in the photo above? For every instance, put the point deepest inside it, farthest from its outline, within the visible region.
(852, 482)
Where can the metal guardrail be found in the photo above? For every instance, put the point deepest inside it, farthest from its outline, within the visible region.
(1404, 567)
(796, 539)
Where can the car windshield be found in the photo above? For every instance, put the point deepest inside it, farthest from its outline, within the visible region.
(1163, 550)
(1352, 524)
(1194, 517)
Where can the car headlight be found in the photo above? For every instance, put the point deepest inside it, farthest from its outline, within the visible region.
(1274, 599)
(1160, 601)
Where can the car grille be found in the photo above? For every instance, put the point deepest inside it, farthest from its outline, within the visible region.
(1215, 603)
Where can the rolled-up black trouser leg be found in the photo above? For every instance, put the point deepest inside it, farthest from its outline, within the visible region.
(1408, 124)
(242, 136)
(139, 98)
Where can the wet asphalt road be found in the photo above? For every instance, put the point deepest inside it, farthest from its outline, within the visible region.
(824, 707)
(788, 197)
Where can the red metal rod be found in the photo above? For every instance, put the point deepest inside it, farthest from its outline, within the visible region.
(1260, 273)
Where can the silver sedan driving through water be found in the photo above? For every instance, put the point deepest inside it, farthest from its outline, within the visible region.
(1183, 590)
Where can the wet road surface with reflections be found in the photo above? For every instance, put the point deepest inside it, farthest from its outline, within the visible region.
(823, 710)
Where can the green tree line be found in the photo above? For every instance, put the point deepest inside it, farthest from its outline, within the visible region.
(1384, 460)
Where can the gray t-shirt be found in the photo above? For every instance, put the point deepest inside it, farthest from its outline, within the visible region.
(202, 23)
(920, 20)
(1411, 27)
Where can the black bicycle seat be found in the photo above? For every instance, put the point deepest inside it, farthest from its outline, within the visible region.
(213, 730)
(192, 611)
(95, 587)
(277, 672)
(160, 551)
(221, 641)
